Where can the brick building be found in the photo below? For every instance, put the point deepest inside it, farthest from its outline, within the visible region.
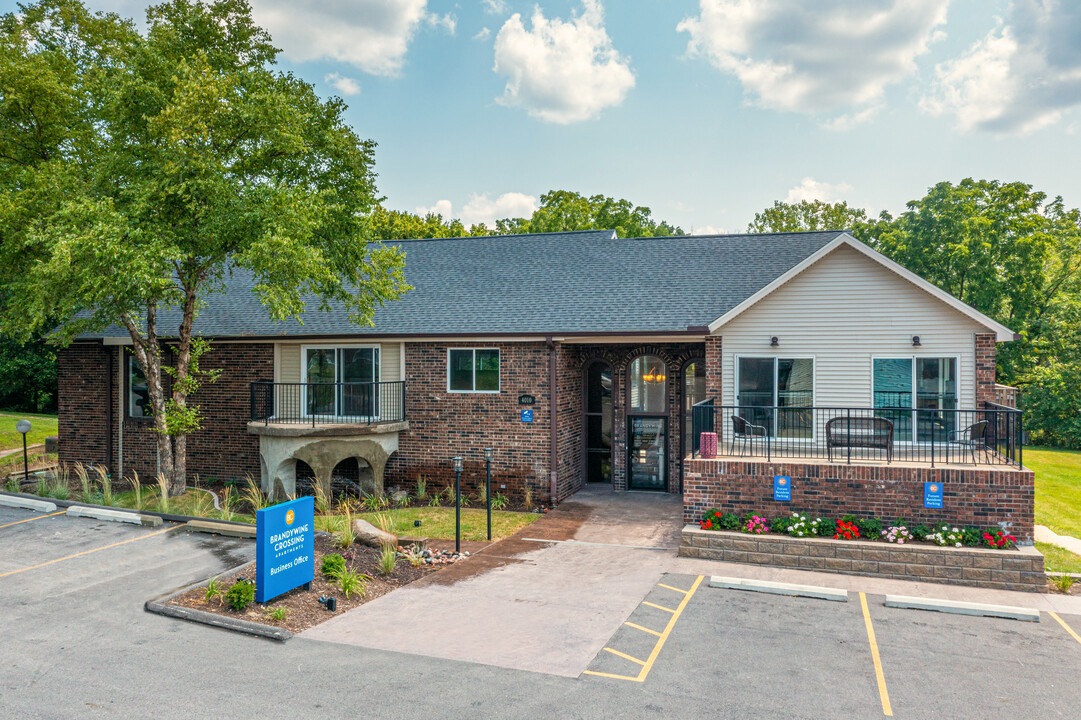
(583, 357)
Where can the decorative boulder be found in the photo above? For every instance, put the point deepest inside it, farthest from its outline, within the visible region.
(368, 534)
(399, 496)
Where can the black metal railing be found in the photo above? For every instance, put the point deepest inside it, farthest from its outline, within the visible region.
(991, 436)
(327, 403)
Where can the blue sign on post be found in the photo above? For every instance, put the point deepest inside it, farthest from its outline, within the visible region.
(527, 415)
(932, 495)
(782, 488)
(284, 547)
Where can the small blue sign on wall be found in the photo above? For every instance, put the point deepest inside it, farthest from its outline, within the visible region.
(932, 495)
(782, 488)
(284, 547)
(527, 415)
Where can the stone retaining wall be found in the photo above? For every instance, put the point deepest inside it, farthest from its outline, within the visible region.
(1020, 569)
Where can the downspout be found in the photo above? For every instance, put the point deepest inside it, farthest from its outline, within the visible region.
(109, 409)
(553, 421)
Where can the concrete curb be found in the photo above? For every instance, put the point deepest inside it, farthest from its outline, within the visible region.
(217, 528)
(168, 517)
(778, 588)
(122, 516)
(964, 608)
(160, 606)
(27, 503)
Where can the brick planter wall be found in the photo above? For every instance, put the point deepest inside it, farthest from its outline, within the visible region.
(1020, 569)
(982, 497)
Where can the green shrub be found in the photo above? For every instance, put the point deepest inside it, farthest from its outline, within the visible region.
(972, 537)
(826, 527)
(213, 590)
(780, 524)
(332, 565)
(499, 501)
(277, 613)
(240, 595)
(351, 583)
(920, 532)
(870, 528)
(388, 558)
(730, 521)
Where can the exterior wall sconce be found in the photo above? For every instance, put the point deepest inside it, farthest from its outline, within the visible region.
(915, 341)
(774, 342)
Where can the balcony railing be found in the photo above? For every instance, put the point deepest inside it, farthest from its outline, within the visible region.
(991, 436)
(328, 403)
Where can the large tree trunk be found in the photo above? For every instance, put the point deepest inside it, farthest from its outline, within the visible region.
(178, 481)
(147, 353)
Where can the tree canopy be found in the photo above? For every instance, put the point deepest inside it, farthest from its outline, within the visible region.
(564, 210)
(807, 215)
(138, 171)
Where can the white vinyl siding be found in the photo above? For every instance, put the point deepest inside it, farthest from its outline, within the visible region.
(289, 368)
(843, 311)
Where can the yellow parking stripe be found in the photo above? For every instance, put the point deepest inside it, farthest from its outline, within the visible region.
(643, 629)
(20, 522)
(1067, 627)
(882, 693)
(669, 587)
(88, 552)
(659, 607)
(648, 665)
(625, 656)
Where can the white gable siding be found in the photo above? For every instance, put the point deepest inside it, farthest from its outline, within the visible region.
(842, 311)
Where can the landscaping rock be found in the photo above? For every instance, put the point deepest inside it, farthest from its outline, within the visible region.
(399, 496)
(368, 534)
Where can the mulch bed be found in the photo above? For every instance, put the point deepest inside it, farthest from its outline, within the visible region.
(1075, 590)
(303, 609)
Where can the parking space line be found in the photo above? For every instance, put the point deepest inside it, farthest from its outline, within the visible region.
(643, 629)
(659, 607)
(662, 638)
(1064, 625)
(88, 552)
(669, 587)
(887, 709)
(625, 656)
(20, 522)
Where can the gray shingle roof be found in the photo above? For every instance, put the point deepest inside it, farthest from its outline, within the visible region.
(560, 283)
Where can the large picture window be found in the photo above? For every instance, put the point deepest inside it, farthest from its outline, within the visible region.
(777, 393)
(647, 385)
(473, 370)
(925, 384)
(138, 393)
(342, 381)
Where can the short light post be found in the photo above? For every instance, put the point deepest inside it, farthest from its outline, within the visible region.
(458, 503)
(24, 427)
(488, 454)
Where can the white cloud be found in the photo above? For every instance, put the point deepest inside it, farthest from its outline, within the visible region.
(482, 209)
(484, 34)
(561, 71)
(1022, 76)
(811, 189)
(495, 7)
(815, 58)
(448, 22)
(441, 207)
(344, 85)
(372, 35)
(707, 230)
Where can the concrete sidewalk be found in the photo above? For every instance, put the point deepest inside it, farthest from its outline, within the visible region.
(1045, 534)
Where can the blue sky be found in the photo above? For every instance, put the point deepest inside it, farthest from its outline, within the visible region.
(703, 111)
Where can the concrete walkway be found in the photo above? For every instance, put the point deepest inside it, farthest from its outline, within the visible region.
(1045, 534)
(545, 599)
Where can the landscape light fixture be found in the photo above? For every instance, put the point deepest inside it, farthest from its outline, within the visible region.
(329, 603)
(23, 426)
(774, 342)
(458, 504)
(915, 341)
(488, 455)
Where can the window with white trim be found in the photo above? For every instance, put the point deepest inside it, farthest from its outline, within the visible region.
(473, 370)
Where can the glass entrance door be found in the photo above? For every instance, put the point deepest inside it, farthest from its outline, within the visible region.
(647, 461)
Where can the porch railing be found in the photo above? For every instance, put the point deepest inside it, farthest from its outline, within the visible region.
(327, 403)
(988, 436)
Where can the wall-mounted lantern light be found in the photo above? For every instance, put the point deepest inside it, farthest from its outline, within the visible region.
(774, 342)
(915, 341)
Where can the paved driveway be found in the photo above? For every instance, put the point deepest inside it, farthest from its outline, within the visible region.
(545, 600)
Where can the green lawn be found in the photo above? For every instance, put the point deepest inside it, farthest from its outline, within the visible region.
(1055, 559)
(1058, 488)
(10, 438)
(438, 522)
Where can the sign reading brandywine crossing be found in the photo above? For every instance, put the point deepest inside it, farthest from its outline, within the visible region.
(782, 488)
(932, 495)
(284, 547)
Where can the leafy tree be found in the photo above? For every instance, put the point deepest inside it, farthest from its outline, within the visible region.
(27, 376)
(563, 210)
(386, 224)
(807, 215)
(137, 172)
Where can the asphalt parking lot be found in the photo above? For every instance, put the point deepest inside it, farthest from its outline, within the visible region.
(76, 643)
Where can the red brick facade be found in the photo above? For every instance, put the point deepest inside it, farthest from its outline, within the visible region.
(985, 368)
(983, 497)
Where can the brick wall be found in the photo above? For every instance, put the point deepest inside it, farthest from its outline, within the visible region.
(444, 424)
(221, 449)
(570, 381)
(714, 363)
(982, 497)
(985, 368)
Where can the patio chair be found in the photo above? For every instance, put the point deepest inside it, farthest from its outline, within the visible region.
(745, 431)
(972, 437)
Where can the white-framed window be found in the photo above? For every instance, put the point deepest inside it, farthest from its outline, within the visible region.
(917, 393)
(138, 392)
(340, 380)
(777, 393)
(473, 370)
